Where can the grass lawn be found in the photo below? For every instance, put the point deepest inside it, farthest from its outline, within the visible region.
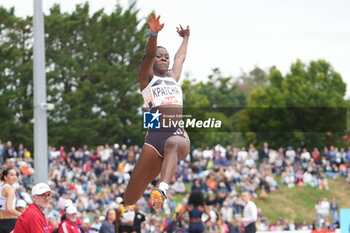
(298, 203)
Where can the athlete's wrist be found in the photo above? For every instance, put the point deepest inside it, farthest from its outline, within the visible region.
(154, 34)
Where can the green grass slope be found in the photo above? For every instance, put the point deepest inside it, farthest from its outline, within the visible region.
(298, 203)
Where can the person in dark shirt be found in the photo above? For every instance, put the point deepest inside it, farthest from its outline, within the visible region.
(139, 218)
(195, 208)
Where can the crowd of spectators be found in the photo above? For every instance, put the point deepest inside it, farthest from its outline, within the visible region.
(94, 179)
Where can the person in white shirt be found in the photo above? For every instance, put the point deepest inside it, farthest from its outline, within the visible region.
(272, 156)
(242, 155)
(305, 155)
(226, 212)
(250, 213)
(290, 154)
(207, 153)
(253, 152)
(249, 161)
(8, 212)
(325, 206)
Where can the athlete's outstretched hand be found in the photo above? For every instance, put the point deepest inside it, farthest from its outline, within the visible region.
(183, 32)
(154, 24)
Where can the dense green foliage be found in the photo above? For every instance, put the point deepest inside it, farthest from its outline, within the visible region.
(16, 82)
(305, 104)
(217, 98)
(92, 63)
(296, 109)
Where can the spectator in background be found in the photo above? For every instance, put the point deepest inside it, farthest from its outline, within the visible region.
(298, 154)
(32, 219)
(62, 154)
(8, 212)
(319, 213)
(139, 218)
(253, 153)
(195, 208)
(278, 167)
(338, 157)
(325, 206)
(316, 156)
(207, 153)
(9, 152)
(108, 226)
(97, 222)
(334, 210)
(126, 216)
(20, 151)
(106, 153)
(21, 205)
(290, 154)
(52, 225)
(272, 156)
(242, 155)
(265, 151)
(86, 228)
(249, 161)
(226, 212)
(250, 214)
(305, 158)
(229, 153)
(2, 147)
(281, 152)
(332, 155)
(325, 153)
(179, 186)
(69, 224)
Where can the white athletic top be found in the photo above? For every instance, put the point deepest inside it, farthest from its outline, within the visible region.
(3, 199)
(162, 91)
(127, 216)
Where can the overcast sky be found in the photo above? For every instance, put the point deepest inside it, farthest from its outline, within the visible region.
(236, 36)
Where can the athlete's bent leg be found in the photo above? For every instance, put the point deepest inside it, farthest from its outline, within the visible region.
(147, 168)
(175, 149)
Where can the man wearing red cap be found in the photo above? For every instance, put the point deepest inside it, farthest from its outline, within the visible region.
(33, 220)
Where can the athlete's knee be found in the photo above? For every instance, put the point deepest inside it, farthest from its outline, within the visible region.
(181, 156)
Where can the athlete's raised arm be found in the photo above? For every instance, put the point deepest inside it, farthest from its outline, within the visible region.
(146, 70)
(180, 55)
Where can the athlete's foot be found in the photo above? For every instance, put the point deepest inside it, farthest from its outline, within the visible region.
(158, 197)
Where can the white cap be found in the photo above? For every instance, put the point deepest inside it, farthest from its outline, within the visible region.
(119, 200)
(71, 210)
(67, 203)
(116, 146)
(21, 203)
(101, 218)
(86, 220)
(41, 188)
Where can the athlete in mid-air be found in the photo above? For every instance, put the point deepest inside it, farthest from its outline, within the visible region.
(164, 147)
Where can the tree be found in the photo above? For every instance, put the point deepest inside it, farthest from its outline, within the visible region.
(16, 91)
(218, 98)
(94, 77)
(295, 108)
(92, 63)
(247, 82)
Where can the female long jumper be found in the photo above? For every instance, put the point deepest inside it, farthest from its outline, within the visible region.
(163, 147)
